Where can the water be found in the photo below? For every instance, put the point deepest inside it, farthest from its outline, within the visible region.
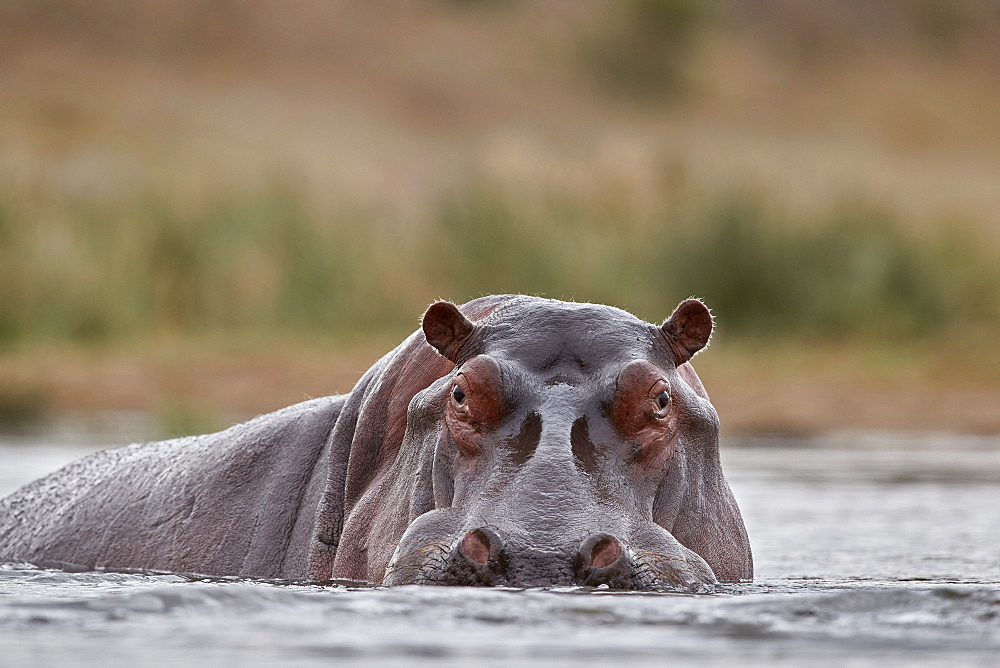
(868, 550)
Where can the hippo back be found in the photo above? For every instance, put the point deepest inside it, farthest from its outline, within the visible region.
(238, 502)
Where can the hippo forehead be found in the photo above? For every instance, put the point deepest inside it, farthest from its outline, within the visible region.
(550, 338)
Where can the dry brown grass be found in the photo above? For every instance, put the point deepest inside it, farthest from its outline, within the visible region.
(393, 104)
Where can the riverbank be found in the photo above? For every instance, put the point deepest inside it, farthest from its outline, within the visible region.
(797, 389)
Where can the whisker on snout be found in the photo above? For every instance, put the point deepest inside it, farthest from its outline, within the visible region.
(670, 570)
(424, 548)
(437, 552)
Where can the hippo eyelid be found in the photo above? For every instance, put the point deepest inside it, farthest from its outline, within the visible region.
(663, 399)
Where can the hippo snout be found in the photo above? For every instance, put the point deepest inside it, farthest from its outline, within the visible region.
(482, 557)
(599, 560)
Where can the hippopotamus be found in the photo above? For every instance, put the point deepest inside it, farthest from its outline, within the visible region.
(514, 441)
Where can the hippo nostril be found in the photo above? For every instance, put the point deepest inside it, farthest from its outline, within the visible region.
(476, 546)
(481, 545)
(600, 551)
(605, 552)
(603, 560)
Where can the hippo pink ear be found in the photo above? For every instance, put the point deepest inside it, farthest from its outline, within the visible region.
(688, 329)
(447, 329)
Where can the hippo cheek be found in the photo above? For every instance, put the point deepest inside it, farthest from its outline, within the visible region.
(423, 548)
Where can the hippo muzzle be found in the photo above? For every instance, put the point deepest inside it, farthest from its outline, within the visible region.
(482, 557)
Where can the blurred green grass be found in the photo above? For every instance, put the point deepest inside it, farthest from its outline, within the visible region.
(646, 47)
(268, 266)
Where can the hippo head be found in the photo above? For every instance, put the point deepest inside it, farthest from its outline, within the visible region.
(570, 444)
(550, 443)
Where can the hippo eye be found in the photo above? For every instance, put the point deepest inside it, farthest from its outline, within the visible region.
(663, 399)
(458, 394)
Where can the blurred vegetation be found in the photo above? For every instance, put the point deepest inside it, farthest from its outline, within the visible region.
(268, 267)
(941, 22)
(182, 418)
(855, 273)
(22, 407)
(452, 148)
(91, 275)
(646, 47)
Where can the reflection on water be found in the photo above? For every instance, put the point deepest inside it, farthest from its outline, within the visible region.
(864, 553)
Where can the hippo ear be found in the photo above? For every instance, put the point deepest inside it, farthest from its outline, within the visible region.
(446, 329)
(688, 329)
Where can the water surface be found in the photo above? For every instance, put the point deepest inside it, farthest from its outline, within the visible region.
(868, 549)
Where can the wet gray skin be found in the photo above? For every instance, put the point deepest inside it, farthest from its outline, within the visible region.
(515, 441)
